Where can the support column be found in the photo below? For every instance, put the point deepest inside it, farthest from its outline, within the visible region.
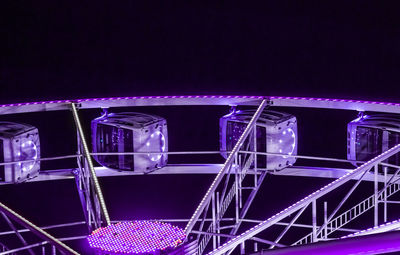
(376, 196)
(242, 249)
(385, 196)
(314, 220)
(86, 153)
(214, 220)
(326, 219)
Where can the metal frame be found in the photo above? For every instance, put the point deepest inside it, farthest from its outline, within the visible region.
(227, 194)
(209, 221)
(36, 230)
(90, 193)
(323, 103)
(312, 198)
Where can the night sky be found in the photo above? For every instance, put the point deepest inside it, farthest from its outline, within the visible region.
(63, 50)
(69, 50)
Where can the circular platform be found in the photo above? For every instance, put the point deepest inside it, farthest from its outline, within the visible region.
(136, 237)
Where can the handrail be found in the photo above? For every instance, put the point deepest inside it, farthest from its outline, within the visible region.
(305, 201)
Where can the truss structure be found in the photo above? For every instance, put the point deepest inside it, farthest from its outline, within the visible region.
(219, 224)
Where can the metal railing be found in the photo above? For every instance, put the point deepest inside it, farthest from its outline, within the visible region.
(312, 199)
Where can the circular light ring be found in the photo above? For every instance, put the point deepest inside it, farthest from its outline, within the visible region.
(290, 132)
(153, 137)
(136, 237)
(28, 151)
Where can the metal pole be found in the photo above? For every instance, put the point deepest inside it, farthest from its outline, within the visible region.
(214, 225)
(342, 202)
(242, 249)
(36, 230)
(248, 202)
(255, 155)
(45, 227)
(84, 202)
(376, 195)
(301, 203)
(385, 196)
(240, 190)
(218, 223)
(314, 220)
(237, 180)
(326, 219)
(224, 169)
(20, 249)
(91, 167)
(20, 237)
(81, 186)
(291, 223)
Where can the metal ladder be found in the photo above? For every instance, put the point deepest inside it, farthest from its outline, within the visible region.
(225, 204)
(349, 215)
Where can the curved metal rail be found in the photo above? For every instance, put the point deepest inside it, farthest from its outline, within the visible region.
(318, 232)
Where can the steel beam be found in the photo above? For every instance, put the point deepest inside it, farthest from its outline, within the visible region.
(224, 169)
(323, 103)
(89, 103)
(370, 244)
(386, 227)
(305, 201)
(90, 164)
(248, 202)
(36, 230)
(290, 225)
(337, 104)
(15, 230)
(344, 199)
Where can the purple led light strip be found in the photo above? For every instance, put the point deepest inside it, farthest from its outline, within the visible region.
(202, 97)
(131, 98)
(367, 231)
(334, 100)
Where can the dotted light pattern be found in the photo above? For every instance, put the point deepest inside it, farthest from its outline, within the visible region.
(128, 98)
(296, 206)
(154, 138)
(27, 151)
(136, 237)
(374, 229)
(290, 132)
(203, 96)
(335, 100)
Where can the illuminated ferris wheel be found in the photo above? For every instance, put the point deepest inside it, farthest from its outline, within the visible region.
(258, 137)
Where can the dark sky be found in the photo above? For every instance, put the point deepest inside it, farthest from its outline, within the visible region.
(89, 49)
(61, 50)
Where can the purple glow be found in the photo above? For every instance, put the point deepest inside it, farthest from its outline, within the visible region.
(154, 138)
(28, 150)
(136, 237)
(298, 203)
(375, 229)
(293, 146)
(127, 98)
(202, 97)
(333, 100)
